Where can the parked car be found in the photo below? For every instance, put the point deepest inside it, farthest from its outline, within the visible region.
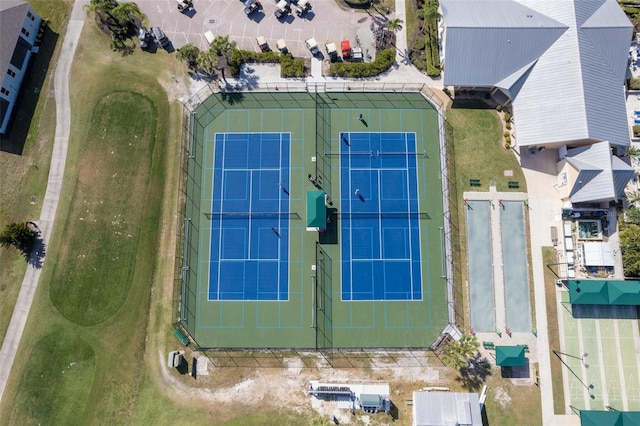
(282, 46)
(312, 44)
(332, 51)
(161, 39)
(262, 44)
(184, 5)
(251, 6)
(282, 8)
(302, 7)
(144, 37)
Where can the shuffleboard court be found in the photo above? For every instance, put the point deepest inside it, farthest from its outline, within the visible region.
(598, 347)
(480, 266)
(515, 266)
(380, 228)
(249, 217)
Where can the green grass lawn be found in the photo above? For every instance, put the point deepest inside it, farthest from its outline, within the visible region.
(25, 175)
(549, 257)
(83, 348)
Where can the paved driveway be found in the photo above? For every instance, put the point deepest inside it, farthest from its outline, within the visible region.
(325, 22)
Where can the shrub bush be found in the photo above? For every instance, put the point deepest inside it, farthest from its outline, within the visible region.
(507, 116)
(507, 143)
(383, 62)
(290, 67)
(636, 131)
(508, 125)
(634, 84)
(507, 134)
(499, 108)
(240, 57)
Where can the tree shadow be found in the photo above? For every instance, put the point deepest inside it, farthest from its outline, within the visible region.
(473, 376)
(38, 251)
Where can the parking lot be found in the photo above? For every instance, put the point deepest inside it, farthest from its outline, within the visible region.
(325, 22)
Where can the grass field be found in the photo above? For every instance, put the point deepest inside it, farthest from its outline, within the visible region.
(549, 257)
(86, 332)
(25, 175)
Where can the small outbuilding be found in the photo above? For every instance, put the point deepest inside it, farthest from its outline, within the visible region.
(446, 408)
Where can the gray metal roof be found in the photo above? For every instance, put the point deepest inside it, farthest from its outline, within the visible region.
(601, 175)
(562, 63)
(446, 409)
(12, 14)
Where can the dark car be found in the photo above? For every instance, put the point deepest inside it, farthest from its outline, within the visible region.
(158, 34)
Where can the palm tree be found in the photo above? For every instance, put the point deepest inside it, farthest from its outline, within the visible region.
(126, 12)
(102, 9)
(207, 61)
(188, 53)
(222, 46)
(394, 24)
(457, 354)
(429, 14)
(633, 152)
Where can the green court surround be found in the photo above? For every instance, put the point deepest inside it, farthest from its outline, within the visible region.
(314, 122)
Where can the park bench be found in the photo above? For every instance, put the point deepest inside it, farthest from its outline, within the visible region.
(488, 345)
(514, 184)
(474, 182)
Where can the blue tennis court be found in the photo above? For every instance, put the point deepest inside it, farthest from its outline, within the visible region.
(250, 217)
(380, 226)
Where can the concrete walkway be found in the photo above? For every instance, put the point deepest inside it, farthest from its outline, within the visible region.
(544, 207)
(52, 195)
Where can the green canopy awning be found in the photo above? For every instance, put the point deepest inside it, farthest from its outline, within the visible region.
(316, 210)
(510, 356)
(604, 292)
(600, 418)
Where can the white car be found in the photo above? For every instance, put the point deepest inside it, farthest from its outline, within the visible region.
(312, 44)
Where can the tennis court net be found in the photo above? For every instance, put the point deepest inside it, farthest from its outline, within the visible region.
(252, 215)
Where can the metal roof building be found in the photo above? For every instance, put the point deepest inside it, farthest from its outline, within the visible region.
(446, 409)
(19, 25)
(561, 63)
(594, 174)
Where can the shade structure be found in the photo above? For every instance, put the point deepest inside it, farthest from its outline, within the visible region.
(609, 418)
(510, 356)
(601, 292)
(316, 210)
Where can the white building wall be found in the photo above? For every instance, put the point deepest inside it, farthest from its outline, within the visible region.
(12, 79)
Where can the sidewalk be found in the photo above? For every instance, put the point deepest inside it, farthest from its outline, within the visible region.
(52, 194)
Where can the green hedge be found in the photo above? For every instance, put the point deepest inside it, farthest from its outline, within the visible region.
(240, 57)
(289, 67)
(383, 62)
(634, 84)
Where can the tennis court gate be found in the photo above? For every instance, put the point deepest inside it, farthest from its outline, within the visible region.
(322, 321)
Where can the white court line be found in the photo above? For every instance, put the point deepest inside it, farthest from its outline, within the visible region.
(563, 348)
(585, 394)
(603, 378)
(623, 385)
